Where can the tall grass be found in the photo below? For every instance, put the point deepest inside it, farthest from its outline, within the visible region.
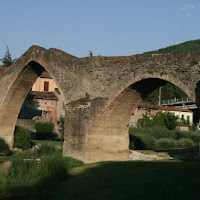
(29, 179)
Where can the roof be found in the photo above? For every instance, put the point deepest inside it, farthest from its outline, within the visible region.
(44, 95)
(166, 108)
(45, 75)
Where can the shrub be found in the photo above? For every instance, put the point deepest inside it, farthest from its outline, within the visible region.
(142, 141)
(22, 138)
(160, 119)
(4, 148)
(44, 130)
(165, 143)
(156, 132)
(184, 142)
(194, 136)
(161, 132)
(132, 145)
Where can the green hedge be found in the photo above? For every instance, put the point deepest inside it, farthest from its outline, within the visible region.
(142, 141)
(44, 130)
(22, 138)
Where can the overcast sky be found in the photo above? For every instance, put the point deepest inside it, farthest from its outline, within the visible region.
(105, 27)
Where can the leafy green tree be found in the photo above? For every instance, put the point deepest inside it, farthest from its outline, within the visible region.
(7, 59)
(160, 119)
(169, 91)
(22, 138)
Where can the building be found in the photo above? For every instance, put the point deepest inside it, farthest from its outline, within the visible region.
(44, 83)
(45, 97)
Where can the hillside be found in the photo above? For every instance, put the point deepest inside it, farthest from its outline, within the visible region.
(169, 91)
(192, 46)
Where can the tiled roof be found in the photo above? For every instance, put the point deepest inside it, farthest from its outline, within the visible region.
(173, 109)
(44, 95)
(166, 108)
(45, 75)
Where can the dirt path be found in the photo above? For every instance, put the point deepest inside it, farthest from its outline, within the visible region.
(146, 156)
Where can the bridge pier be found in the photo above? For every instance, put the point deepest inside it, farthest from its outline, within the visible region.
(85, 143)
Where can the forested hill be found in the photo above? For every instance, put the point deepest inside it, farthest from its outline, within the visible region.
(169, 91)
(192, 46)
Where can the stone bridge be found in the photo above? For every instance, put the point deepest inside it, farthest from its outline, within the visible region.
(100, 94)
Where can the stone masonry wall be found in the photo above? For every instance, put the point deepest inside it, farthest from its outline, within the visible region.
(99, 93)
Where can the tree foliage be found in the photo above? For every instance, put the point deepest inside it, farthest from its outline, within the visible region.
(192, 46)
(160, 119)
(44, 130)
(22, 138)
(169, 91)
(7, 59)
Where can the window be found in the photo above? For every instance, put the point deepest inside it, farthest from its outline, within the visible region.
(182, 117)
(188, 118)
(46, 86)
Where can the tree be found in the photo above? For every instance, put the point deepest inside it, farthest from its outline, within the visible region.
(160, 119)
(90, 53)
(7, 59)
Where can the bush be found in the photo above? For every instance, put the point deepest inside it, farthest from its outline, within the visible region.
(44, 130)
(132, 145)
(160, 119)
(22, 138)
(184, 142)
(194, 136)
(156, 132)
(4, 148)
(165, 143)
(142, 141)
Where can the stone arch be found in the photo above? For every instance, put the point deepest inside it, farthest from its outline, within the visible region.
(16, 92)
(108, 132)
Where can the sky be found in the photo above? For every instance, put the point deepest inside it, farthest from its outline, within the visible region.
(104, 27)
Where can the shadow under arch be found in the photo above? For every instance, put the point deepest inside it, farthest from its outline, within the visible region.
(15, 97)
(111, 124)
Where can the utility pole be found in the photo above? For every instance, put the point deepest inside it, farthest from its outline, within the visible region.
(159, 96)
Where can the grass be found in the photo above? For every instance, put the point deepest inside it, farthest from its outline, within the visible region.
(189, 153)
(132, 180)
(49, 142)
(35, 180)
(66, 178)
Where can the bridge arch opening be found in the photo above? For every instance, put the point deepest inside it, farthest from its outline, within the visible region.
(112, 124)
(15, 96)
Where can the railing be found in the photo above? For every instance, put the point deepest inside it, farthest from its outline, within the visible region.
(175, 101)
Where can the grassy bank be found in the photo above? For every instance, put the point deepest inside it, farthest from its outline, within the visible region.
(32, 180)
